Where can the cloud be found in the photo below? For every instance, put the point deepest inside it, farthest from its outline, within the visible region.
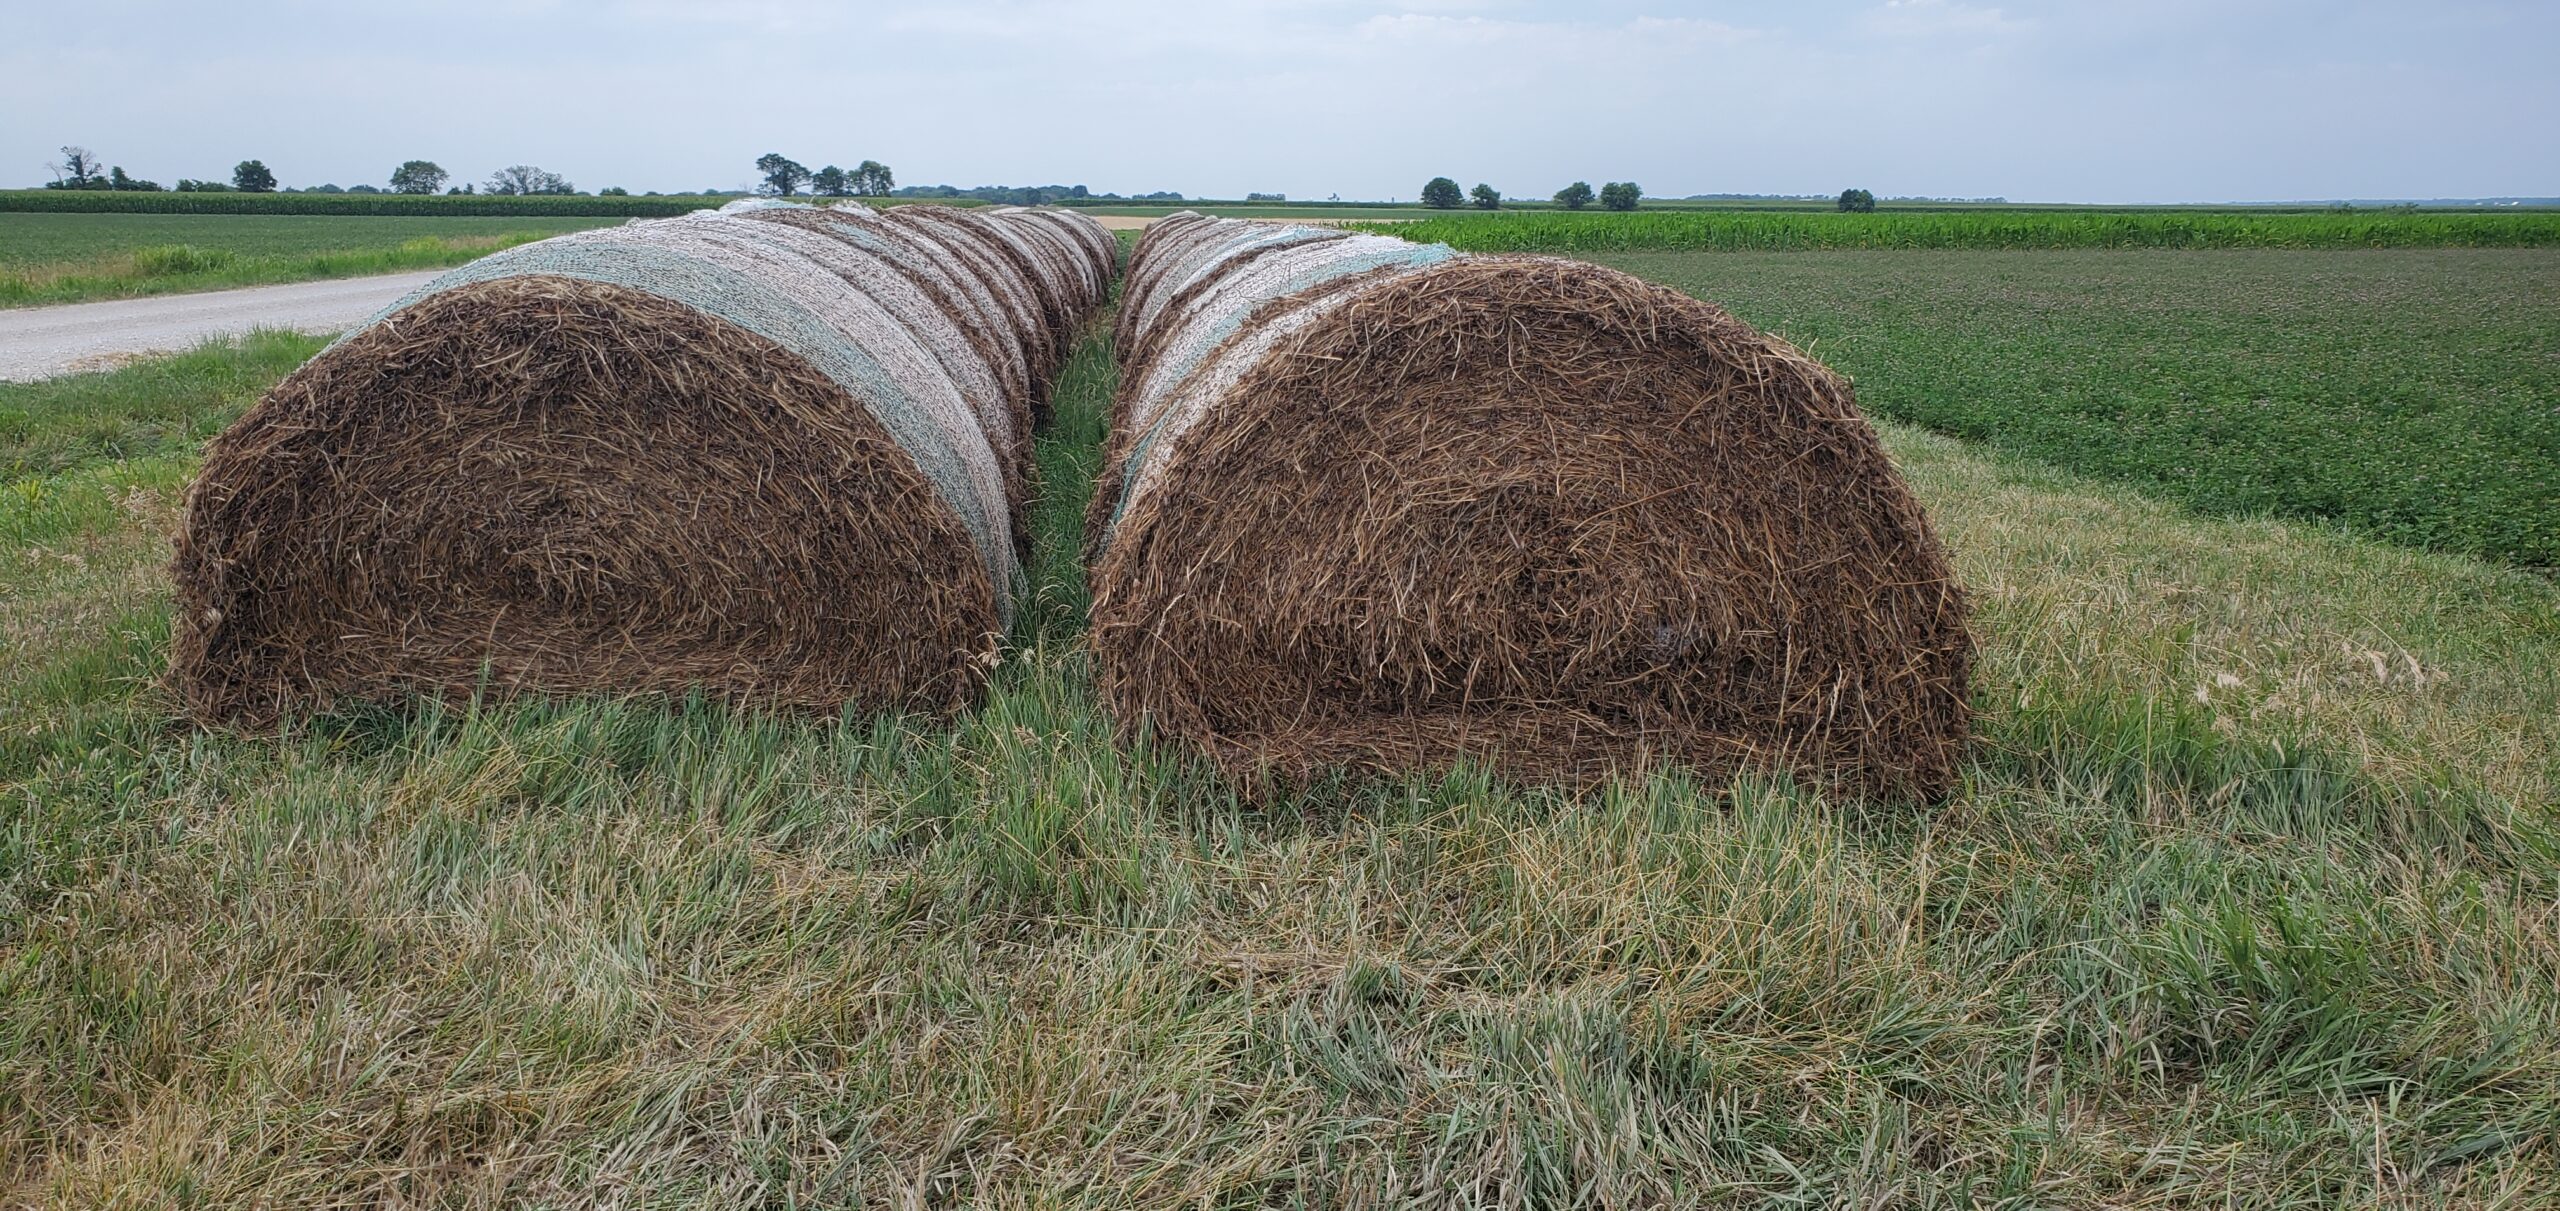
(2050, 99)
(1938, 18)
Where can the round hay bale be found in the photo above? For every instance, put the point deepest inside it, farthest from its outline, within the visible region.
(972, 257)
(932, 322)
(1525, 511)
(1094, 250)
(1002, 254)
(962, 297)
(703, 454)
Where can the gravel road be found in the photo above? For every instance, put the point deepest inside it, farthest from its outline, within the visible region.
(40, 342)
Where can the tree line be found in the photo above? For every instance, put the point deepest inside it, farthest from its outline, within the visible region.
(784, 176)
(79, 169)
(1443, 194)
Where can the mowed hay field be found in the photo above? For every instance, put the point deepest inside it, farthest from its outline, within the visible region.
(2411, 393)
(2248, 897)
(62, 258)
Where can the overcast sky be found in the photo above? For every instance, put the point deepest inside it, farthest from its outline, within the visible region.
(2053, 100)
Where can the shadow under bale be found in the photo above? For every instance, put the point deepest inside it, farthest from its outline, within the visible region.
(1525, 511)
(555, 484)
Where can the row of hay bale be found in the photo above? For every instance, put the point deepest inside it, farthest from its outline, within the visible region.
(1375, 505)
(777, 455)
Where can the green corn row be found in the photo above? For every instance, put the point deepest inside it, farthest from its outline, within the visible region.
(1725, 231)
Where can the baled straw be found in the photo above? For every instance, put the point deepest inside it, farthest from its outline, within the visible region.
(766, 458)
(1387, 509)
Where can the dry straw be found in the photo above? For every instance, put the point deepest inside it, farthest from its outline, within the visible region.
(1378, 506)
(776, 456)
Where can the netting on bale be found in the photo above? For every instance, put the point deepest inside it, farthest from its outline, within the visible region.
(1013, 248)
(1378, 506)
(766, 458)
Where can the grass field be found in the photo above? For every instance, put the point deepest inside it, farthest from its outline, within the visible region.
(2249, 900)
(2412, 394)
(61, 258)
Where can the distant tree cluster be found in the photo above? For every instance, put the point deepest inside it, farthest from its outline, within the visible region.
(418, 176)
(1266, 197)
(78, 169)
(1857, 201)
(1442, 194)
(527, 180)
(1032, 195)
(784, 176)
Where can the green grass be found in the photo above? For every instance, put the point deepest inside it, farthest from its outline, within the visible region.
(2411, 394)
(60, 258)
(2248, 901)
(1711, 231)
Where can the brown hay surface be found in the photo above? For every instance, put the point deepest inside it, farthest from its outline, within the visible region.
(540, 483)
(932, 324)
(1530, 512)
(525, 478)
(787, 262)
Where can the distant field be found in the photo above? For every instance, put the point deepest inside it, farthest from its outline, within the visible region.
(63, 258)
(1705, 231)
(1247, 211)
(2412, 394)
(45, 239)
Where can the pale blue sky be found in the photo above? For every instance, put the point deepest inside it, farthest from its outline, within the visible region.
(2167, 100)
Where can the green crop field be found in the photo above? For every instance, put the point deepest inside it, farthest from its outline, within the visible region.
(2412, 394)
(1262, 210)
(1698, 231)
(2248, 899)
(62, 258)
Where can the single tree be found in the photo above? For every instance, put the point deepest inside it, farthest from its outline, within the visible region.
(527, 179)
(1574, 196)
(828, 181)
(872, 179)
(251, 176)
(782, 174)
(418, 176)
(1620, 195)
(1442, 194)
(1857, 201)
(1486, 198)
(78, 169)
